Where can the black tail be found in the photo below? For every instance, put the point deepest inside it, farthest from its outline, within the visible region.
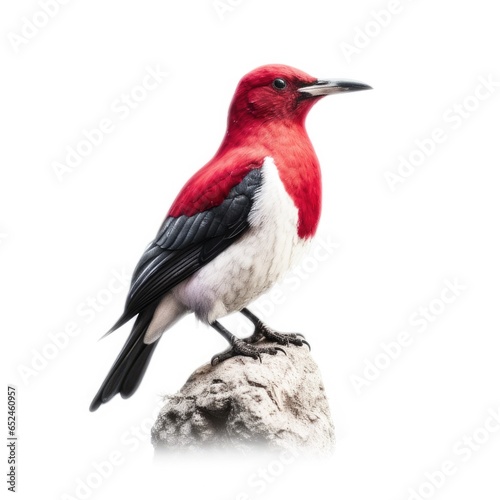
(129, 368)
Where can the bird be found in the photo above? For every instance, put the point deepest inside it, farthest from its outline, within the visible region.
(238, 225)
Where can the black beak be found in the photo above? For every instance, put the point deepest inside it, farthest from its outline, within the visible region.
(327, 87)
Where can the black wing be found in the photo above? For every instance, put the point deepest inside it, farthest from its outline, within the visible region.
(185, 244)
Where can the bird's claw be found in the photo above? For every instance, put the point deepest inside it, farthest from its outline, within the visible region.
(306, 343)
(241, 348)
(285, 339)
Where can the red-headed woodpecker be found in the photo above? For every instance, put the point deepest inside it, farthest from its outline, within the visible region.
(236, 227)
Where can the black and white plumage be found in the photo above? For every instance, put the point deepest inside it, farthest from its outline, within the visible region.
(236, 227)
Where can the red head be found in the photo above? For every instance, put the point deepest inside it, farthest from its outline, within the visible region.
(277, 92)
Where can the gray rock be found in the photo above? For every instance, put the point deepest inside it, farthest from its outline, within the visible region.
(240, 403)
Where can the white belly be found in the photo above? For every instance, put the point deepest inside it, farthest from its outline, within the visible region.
(252, 265)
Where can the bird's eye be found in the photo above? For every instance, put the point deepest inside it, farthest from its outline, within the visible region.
(279, 84)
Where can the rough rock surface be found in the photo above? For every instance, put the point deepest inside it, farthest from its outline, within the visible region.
(240, 403)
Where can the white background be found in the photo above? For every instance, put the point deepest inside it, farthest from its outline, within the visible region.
(61, 240)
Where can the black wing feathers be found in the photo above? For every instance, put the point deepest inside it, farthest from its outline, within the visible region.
(185, 244)
(182, 246)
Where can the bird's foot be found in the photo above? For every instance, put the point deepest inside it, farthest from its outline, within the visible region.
(263, 331)
(241, 348)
